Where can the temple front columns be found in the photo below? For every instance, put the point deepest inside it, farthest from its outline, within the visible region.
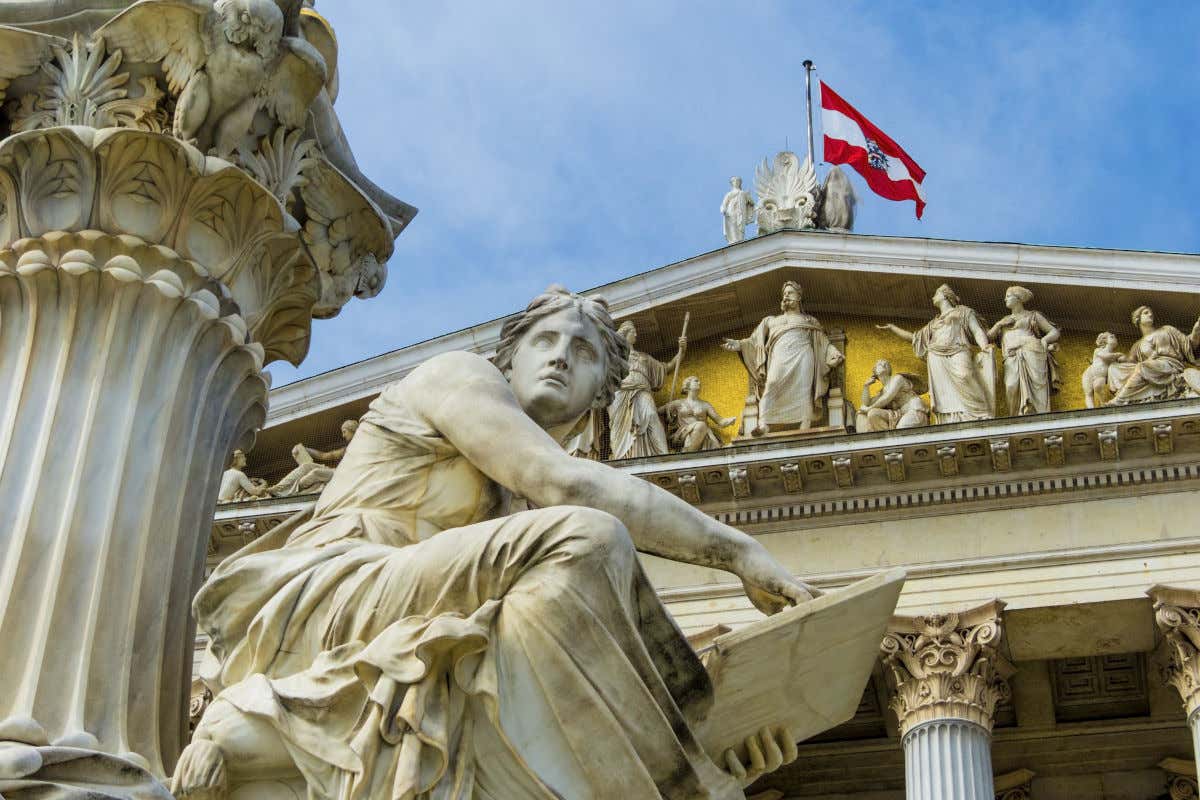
(947, 676)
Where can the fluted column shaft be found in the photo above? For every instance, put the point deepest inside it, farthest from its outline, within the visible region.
(948, 759)
(123, 388)
(947, 675)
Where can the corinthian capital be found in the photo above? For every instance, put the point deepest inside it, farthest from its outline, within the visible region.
(1177, 612)
(947, 666)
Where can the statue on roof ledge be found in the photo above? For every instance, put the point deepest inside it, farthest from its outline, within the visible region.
(790, 197)
(314, 468)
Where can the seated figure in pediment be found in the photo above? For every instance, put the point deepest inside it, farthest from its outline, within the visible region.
(898, 403)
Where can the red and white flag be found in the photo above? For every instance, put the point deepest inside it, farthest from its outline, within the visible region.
(851, 138)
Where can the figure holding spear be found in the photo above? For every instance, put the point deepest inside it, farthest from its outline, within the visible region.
(635, 429)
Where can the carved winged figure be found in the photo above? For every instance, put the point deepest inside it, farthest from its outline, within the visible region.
(225, 60)
(787, 193)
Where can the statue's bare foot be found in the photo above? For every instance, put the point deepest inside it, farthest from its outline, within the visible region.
(200, 773)
(761, 430)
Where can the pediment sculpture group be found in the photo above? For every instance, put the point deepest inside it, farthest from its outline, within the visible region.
(791, 362)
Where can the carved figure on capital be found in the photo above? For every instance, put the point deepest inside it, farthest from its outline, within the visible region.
(789, 358)
(962, 384)
(738, 210)
(898, 403)
(688, 420)
(1027, 343)
(314, 468)
(635, 429)
(1161, 365)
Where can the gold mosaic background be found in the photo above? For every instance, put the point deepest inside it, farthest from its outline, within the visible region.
(724, 381)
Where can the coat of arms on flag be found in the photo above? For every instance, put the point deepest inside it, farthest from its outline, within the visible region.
(851, 138)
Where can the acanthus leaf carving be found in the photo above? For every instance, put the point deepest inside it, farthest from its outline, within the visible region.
(1177, 613)
(281, 163)
(947, 666)
(84, 86)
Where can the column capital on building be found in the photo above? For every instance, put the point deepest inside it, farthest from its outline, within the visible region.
(947, 666)
(1181, 778)
(1015, 785)
(1177, 613)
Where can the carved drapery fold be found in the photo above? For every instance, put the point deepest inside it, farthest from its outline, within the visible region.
(947, 666)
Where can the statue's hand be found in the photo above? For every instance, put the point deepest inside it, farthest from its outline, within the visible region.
(732, 345)
(768, 750)
(725, 423)
(770, 587)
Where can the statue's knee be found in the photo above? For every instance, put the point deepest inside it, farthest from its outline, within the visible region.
(600, 532)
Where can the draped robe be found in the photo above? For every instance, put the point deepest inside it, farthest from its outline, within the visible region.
(788, 357)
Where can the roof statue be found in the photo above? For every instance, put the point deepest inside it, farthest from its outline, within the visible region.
(789, 198)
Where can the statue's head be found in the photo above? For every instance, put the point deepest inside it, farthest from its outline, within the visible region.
(1017, 296)
(790, 296)
(690, 383)
(882, 369)
(237, 460)
(1107, 339)
(1143, 317)
(349, 428)
(735, 182)
(628, 332)
(562, 356)
(256, 24)
(945, 293)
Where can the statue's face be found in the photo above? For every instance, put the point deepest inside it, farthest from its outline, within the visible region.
(1146, 318)
(735, 183)
(348, 429)
(239, 460)
(559, 368)
(692, 385)
(1110, 341)
(1011, 300)
(883, 369)
(630, 335)
(791, 297)
(256, 24)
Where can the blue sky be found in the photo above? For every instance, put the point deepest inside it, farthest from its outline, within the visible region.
(580, 142)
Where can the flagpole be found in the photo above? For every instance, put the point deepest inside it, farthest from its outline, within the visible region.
(808, 70)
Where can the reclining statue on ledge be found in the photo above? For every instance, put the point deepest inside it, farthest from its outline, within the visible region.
(414, 635)
(314, 468)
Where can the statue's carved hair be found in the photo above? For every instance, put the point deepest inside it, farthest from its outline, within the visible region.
(625, 326)
(1136, 316)
(1103, 338)
(595, 309)
(1022, 294)
(949, 294)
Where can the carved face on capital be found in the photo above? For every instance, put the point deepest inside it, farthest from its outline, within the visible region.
(559, 368)
(251, 24)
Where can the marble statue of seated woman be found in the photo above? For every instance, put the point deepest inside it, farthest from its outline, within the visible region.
(1162, 365)
(412, 635)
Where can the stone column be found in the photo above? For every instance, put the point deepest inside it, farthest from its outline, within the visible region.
(947, 675)
(143, 286)
(1177, 612)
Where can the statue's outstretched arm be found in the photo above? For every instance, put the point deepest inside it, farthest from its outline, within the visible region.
(467, 400)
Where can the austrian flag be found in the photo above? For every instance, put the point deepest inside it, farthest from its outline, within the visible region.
(851, 138)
